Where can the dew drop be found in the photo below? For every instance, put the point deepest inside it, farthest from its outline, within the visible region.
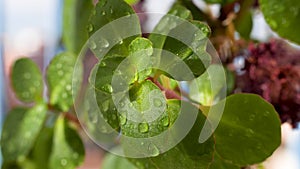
(64, 95)
(25, 94)
(60, 73)
(205, 30)
(157, 102)
(249, 133)
(27, 75)
(143, 127)
(121, 104)
(105, 105)
(75, 155)
(251, 117)
(107, 88)
(90, 28)
(153, 150)
(58, 65)
(63, 162)
(273, 24)
(122, 119)
(93, 45)
(103, 13)
(102, 64)
(104, 43)
(165, 121)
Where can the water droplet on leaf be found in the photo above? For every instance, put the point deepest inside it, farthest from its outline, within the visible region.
(153, 150)
(143, 127)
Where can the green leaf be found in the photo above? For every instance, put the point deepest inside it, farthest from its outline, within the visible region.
(60, 78)
(283, 18)
(249, 130)
(243, 22)
(196, 12)
(20, 129)
(146, 101)
(115, 162)
(188, 154)
(67, 149)
(75, 25)
(132, 2)
(27, 80)
(223, 2)
(206, 88)
(42, 149)
(113, 36)
(158, 40)
(187, 39)
(219, 163)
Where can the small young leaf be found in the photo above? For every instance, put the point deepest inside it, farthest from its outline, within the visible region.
(249, 130)
(283, 18)
(115, 162)
(206, 87)
(60, 78)
(67, 149)
(75, 25)
(147, 103)
(27, 80)
(20, 130)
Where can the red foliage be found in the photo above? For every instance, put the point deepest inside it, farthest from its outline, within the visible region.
(272, 70)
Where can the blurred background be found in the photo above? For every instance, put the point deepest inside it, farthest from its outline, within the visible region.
(33, 28)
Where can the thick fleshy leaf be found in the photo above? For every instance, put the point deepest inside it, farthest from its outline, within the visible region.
(115, 162)
(42, 148)
(60, 78)
(27, 80)
(283, 18)
(67, 148)
(249, 130)
(20, 131)
(113, 38)
(188, 154)
(75, 23)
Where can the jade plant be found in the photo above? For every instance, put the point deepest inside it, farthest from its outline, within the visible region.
(242, 129)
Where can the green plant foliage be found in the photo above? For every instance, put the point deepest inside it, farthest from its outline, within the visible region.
(105, 12)
(115, 162)
(193, 51)
(243, 23)
(60, 78)
(206, 88)
(27, 80)
(283, 18)
(20, 130)
(239, 137)
(132, 2)
(43, 145)
(75, 21)
(67, 149)
(189, 153)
